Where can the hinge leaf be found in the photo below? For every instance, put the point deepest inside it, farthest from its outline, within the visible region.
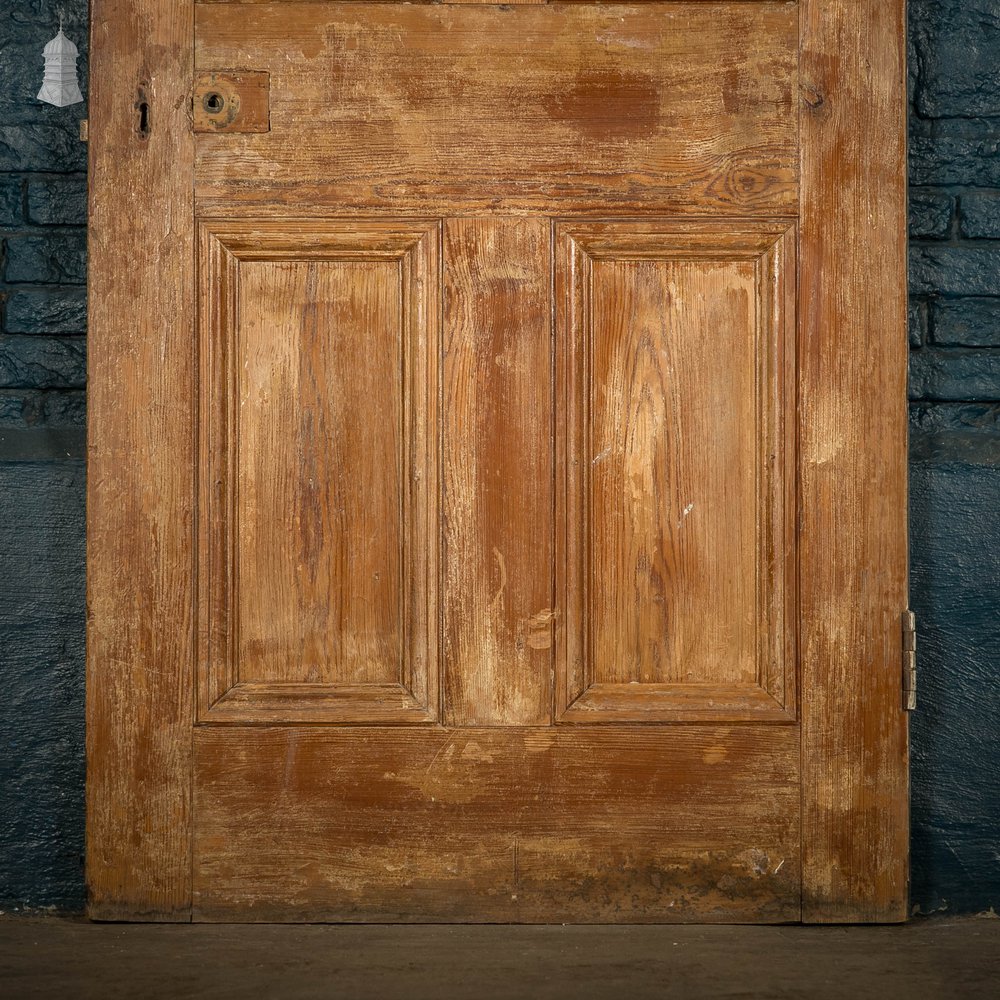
(909, 661)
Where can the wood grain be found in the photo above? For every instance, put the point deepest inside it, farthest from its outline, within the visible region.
(497, 462)
(320, 469)
(463, 109)
(853, 460)
(319, 532)
(270, 489)
(676, 344)
(618, 824)
(140, 481)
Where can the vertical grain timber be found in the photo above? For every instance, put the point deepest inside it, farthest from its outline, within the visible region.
(319, 346)
(853, 460)
(497, 462)
(320, 469)
(656, 454)
(675, 400)
(140, 505)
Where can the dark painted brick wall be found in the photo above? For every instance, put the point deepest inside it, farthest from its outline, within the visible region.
(955, 421)
(955, 449)
(42, 380)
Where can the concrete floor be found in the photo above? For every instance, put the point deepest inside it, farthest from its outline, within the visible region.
(70, 959)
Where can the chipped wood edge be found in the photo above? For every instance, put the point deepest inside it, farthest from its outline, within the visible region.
(140, 491)
(853, 473)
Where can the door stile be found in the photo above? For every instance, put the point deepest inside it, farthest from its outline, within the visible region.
(141, 447)
(853, 534)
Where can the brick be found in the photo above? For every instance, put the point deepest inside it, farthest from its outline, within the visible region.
(42, 620)
(955, 375)
(930, 213)
(933, 418)
(43, 362)
(951, 152)
(955, 590)
(12, 406)
(58, 201)
(47, 12)
(955, 270)
(56, 258)
(965, 323)
(24, 408)
(917, 322)
(957, 46)
(20, 67)
(63, 311)
(67, 408)
(11, 201)
(979, 215)
(48, 146)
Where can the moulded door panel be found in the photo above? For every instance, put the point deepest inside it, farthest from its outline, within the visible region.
(319, 536)
(676, 469)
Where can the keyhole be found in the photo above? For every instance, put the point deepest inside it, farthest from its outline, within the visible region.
(142, 109)
(213, 103)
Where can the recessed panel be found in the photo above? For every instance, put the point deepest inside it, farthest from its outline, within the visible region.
(320, 381)
(319, 465)
(671, 536)
(498, 824)
(675, 509)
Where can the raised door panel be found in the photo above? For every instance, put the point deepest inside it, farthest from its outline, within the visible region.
(318, 587)
(676, 467)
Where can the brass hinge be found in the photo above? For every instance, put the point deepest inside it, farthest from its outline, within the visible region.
(909, 661)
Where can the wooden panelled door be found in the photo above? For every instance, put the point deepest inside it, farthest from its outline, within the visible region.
(497, 461)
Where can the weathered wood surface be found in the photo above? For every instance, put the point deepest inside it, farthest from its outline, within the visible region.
(497, 472)
(855, 827)
(502, 824)
(140, 482)
(231, 102)
(486, 134)
(675, 397)
(319, 529)
(487, 3)
(548, 109)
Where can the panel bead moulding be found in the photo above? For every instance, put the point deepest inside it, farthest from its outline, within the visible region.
(675, 471)
(319, 348)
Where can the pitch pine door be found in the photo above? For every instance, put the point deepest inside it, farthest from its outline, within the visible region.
(497, 484)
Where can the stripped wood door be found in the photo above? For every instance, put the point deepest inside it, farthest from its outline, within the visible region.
(497, 487)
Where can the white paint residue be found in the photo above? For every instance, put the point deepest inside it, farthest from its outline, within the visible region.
(684, 513)
(610, 38)
(497, 600)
